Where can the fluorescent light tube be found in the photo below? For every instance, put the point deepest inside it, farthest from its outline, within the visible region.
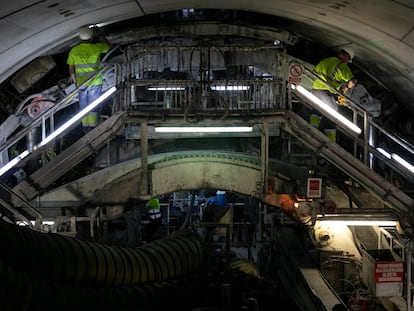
(77, 116)
(229, 87)
(13, 162)
(403, 162)
(384, 153)
(327, 109)
(168, 88)
(207, 129)
(381, 223)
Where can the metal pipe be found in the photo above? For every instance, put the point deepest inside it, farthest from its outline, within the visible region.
(144, 158)
(409, 278)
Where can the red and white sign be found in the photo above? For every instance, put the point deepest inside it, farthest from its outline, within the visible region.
(389, 272)
(295, 73)
(314, 188)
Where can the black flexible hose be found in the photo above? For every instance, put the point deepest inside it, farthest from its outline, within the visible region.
(56, 257)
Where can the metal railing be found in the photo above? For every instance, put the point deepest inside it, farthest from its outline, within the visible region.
(46, 121)
(183, 96)
(376, 146)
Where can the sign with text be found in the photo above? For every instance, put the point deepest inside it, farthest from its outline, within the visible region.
(389, 272)
(314, 188)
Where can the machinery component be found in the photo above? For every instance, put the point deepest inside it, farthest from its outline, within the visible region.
(38, 106)
(244, 265)
(30, 74)
(323, 235)
(361, 96)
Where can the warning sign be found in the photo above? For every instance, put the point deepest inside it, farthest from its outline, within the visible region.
(389, 272)
(295, 73)
(314, 188)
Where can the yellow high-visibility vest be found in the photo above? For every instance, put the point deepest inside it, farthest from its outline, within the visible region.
(86, 59)
(333, 71)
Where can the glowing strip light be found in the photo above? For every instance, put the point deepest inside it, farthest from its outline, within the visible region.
(161, 88)
(13, 162)
(210, 129)
(326, 108)
(44, 222)
(396, 158)
(403, 162)
(78, 116)
(60, 130)
(380, 223)
(230, 87)
(384, 153)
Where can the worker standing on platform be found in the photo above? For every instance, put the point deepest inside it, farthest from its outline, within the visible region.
(84, 62)
(333, 74)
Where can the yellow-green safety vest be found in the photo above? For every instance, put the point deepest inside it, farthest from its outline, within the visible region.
(333, 71)
(86, 59)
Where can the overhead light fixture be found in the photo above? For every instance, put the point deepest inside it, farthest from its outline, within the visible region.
(13, 162)
(166, 88)
(380, 223)
(230, 87)
(381, 219)
(326, 108)
(204, 129)
(77, 116)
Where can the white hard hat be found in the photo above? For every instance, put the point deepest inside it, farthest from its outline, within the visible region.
(350, 52)
(85, 33)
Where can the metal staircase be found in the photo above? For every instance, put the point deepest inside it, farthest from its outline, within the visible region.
(346, 162)
(70, 157)
(371, 159)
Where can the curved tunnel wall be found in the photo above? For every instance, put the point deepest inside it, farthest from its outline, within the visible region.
(170, 172)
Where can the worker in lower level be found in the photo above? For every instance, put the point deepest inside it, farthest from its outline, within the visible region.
(155, 219)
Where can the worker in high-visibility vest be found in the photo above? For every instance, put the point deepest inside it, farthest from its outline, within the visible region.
(151, 230)
(84, 62)
(154, 208)
(333, 73)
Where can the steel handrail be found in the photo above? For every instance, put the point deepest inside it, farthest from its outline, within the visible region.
(349, 103)
(356, 107)
(369, 125)
(49, 112)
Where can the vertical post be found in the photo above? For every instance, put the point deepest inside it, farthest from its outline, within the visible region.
(144, 158)
(265, 154)
(264, 170)
(366, 137)
(409, 286)
(128, 76)
(43, 126)
(355, 121)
